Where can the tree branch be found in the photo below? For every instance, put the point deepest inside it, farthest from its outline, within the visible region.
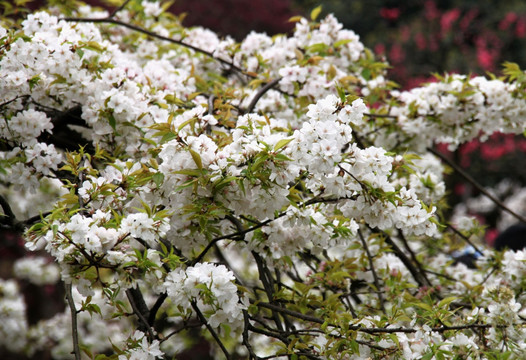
(155, 308)
(373, 270)
(479, 187)
(140, 309)
(116, 10)
(260, 93)
(210, 329)
(8, 212)
(74, 329)
(465, 238)
(384, 330)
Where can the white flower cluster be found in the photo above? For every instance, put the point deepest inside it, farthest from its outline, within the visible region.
(142, 350)
(93, 235)
(25, 126)
(37, 270)
(211, 289)
(458, 109)
(94, 329)
(317, 79)
(14, 326)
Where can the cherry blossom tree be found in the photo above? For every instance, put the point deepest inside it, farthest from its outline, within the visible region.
(277, 197)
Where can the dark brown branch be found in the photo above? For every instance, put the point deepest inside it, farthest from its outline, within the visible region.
(155, 308)
(260, 93)
(413, 257)
(238, 234)
(479, 187)
(184, 326)
(403, 257)
(157, 36)
(14, 99)
(266, 279)
(246, 341)
(8, 212)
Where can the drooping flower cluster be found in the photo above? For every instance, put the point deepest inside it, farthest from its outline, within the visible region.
(458, 109)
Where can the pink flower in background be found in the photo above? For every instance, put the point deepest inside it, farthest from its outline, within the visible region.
(390, 14)
(448, 18)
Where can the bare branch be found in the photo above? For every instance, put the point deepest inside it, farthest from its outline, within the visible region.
(8, 212)
(380, 115)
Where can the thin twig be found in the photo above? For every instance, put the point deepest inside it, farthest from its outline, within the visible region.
(268, 285)
(114, 12)
(74, 329)
(465, 238)
(381, 329)
(381, 115)
(183, 327)
(210, 329)
(373, 270)
(413, 256)
(403, 257)
(315, 200)
(479, 187)
(246, 341)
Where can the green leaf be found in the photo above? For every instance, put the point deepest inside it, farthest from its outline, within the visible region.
(341, 42)
(424, 306)
(295, 18)
(197, 159)
(158, 178)
(112, 122)
(445, 302)
(282, 143)
(366, 74)
(315, 13)
(33, 81)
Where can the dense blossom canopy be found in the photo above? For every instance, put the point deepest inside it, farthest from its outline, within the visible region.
(278, 194)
